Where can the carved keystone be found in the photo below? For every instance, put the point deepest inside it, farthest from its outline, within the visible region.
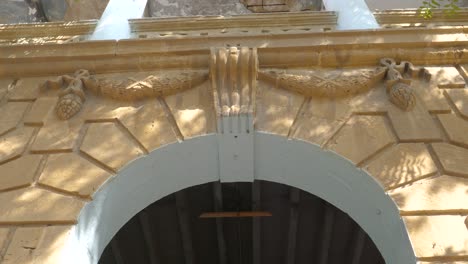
(233, 73)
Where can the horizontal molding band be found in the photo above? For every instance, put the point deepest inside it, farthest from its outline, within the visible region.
(323, 49)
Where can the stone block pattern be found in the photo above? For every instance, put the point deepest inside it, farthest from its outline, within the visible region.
(420, 157)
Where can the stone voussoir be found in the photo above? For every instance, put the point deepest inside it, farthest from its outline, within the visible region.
(15, 112)
(437, 194)
(19, 172)
(37, 245)
(13, 144)
(150, 126)
(70, 178)
(37, 206)
(56, 137)
(438, 237)
(403, 164)
(459, 97)
(100, 144)
(361, 137)
(453, 158)
(26, 89)
(40, 111)
(456, 128)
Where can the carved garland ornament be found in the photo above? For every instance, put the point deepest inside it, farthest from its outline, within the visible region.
(234, 89)
(342, 83)
(334, 83)
(72, 93)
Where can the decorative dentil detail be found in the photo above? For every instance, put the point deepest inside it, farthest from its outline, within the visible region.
(72, 88)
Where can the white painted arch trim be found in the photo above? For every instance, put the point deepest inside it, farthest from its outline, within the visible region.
(277, 159)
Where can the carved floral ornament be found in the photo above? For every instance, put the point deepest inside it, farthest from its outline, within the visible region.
(331, 84)
(398, 89)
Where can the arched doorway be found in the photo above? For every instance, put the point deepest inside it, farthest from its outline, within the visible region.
(194, 162)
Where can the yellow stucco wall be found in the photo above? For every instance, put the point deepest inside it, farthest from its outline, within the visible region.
(50, 168)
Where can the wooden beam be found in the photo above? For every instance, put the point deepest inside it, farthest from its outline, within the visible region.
(144, 220)
(218, 206)
(294, 197)
(184, 224)
(358, 246)
(256, 228)
(235, 214)
(326, 233)
(116, 251)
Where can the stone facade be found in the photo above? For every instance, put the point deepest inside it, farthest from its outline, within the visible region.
(71, 125)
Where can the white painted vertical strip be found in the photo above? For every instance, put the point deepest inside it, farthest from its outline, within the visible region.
(352, 14)
(114, 21)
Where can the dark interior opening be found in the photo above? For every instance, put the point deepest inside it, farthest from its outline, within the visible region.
(303, 229)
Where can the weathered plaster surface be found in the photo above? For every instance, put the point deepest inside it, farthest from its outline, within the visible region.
(28, 11)
(167, 8)
(12, 11)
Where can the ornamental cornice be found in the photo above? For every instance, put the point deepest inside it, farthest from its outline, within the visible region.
(319, 49)
(49, 29)
(323, 19)
(411, 17)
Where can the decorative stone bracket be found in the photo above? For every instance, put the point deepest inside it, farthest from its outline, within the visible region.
(72, 95)
(233, 73)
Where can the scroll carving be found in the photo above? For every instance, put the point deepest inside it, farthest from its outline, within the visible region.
(332, 84)
(72, 88)
(399, 89)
